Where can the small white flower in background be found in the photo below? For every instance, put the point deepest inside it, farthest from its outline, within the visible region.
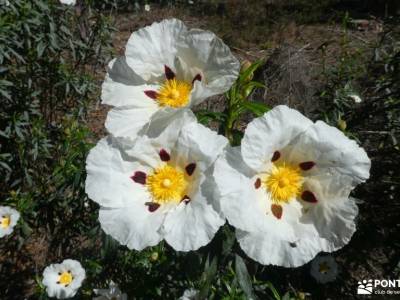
(68, 2)
(158, 188)
(166, 68)
(324, 268)
(286, 190)
(112, 293)
(8, 219)
(190, 2)
(63, 280)
(189, 294)
(147, 7)
(356, 98)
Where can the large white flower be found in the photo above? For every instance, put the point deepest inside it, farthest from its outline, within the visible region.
(63, 280)
(8, 219)
(166, 67)
(286, 190)
(158, 188)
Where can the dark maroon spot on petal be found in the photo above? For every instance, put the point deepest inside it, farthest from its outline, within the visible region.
(309, 197)
(186, 199)
(307, 165)
(139, 177)
(276, 156)
(151, 94)
(152, 206)
(257, 184)
(164, 155)
(169, 74)
(277, 210)
(190, 169)
(66, 285)
(58, 282)
(197, 77)
(293, 244)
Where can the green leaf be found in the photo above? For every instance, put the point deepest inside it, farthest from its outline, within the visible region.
(208, 276)
(250, 70)
(256, 108)
(243, 278)
(273, 290)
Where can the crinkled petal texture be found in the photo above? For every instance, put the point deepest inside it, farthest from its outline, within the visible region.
(166, 66)
(286, 190)
(55, 287)
(8, 219)
(156, 189)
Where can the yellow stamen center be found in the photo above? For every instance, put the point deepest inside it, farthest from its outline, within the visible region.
(65, 278)
(324, 268)
(5, 221)
(174, 93)
(284, 182)
(167, 184)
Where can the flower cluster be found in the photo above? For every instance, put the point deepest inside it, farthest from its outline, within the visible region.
(160, 175)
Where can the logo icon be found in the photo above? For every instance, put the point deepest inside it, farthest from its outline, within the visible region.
(365, 287)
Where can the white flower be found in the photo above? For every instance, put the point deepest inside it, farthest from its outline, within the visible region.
(189, 294)
(324, 269)
(68, 2)
(166, 68)
(63, 280)
(112, 293)
(157, 188)
(286, 190)
(8, 219)
(147, 7)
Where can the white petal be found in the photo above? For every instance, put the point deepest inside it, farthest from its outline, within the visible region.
(210, 55)
(123, 87)
(133, 226)
(193, 225)
(332, 218)
(151, 48)
(330, 149)
(198, 143)
(77, 271)
(271, 248)
(68, 2)
(126, 123)
(272, 132)
(186, 52)
(169, 121)
(238, 197)
(108, 180)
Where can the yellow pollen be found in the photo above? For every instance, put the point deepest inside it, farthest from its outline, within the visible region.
(174, 93)
(167, 184)
(284, 182)
(5, 221)
(324, 268)
(65, 278)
